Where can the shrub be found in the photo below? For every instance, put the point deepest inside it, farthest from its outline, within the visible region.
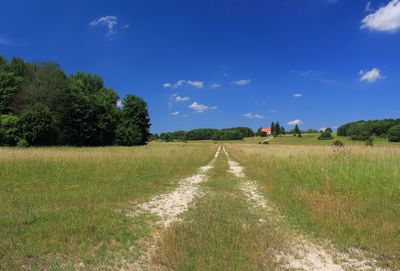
(9, 130)
(338, 143)
(394, 134)
(325, 136)
(370, 141)
(38, 126)
(265, 142)
(22, 143)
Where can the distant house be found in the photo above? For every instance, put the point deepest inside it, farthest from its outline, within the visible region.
(266, 131)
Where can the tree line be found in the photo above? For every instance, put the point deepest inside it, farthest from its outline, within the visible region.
(235, 133)
(41, 106)
(362, 130)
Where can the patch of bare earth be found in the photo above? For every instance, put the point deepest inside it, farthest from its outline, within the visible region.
(301, 253)
(168, 207)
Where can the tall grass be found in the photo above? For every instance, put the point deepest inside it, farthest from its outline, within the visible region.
(61, 206)
(351, 195)
(220, 233)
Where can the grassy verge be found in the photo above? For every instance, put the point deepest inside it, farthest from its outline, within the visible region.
(59, 206)
(351, 196)
(220, 233)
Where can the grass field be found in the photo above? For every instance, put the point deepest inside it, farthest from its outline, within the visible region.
(349, 196)
(59, 206)
(66, 208)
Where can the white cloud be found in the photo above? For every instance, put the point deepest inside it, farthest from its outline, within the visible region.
(119, 104)
(179, 83)
(241, 82)
(297, 95)
(371, 76)
(385, 19)
(181, 99)
(176, 113)
(215, 85)
(253, 116)
(108, 21)
(199, 108)
(196, 84)
(295, 122)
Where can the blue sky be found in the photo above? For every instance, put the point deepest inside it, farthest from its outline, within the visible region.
(219, 64)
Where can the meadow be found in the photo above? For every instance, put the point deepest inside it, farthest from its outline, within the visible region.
(350, 196)
(65, 207)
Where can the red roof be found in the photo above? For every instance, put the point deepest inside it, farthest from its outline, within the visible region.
(266, 130)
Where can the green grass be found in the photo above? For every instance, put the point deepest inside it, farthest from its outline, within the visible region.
(63, 206)
(312, 140)
(350, 196)
(220, 232)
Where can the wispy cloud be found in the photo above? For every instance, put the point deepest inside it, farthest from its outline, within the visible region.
(371, 76)
(385, 19)
(182, 99)
(176, 113)
(295, 122)
(4, 41)
(179, 83)
(215, 85)
(302, 73)
(298, 95)
(368, 7)
(199, 108)
(242, 82)
(110, 22)
(253, 116)
(196, 84)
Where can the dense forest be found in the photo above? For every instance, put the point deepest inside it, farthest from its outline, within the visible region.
(41, 106)
(236, 133)
(362, 130)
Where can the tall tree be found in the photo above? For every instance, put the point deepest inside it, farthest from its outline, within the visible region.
(8, 89)
(134, 126)
(272, 127)
(89, 112)
(277, 128)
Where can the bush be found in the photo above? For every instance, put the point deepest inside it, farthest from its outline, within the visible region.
(338, 143)
(9, 130)
(325, 136)
(38, 126)
(22, 143)
(265, 142)
(394, 134)
(370, 141)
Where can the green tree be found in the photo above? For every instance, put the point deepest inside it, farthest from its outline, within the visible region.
(394, 134)
(135, 122)
(277, 129)
(10, 132)
(89, 114)
(282, 130)
(272, 127)
(8, 89)
(38, 126)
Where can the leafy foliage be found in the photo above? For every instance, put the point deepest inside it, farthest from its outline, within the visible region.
(52, 108)
(325, 136)
(394, 134)
(361, 130)
(9, 130)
